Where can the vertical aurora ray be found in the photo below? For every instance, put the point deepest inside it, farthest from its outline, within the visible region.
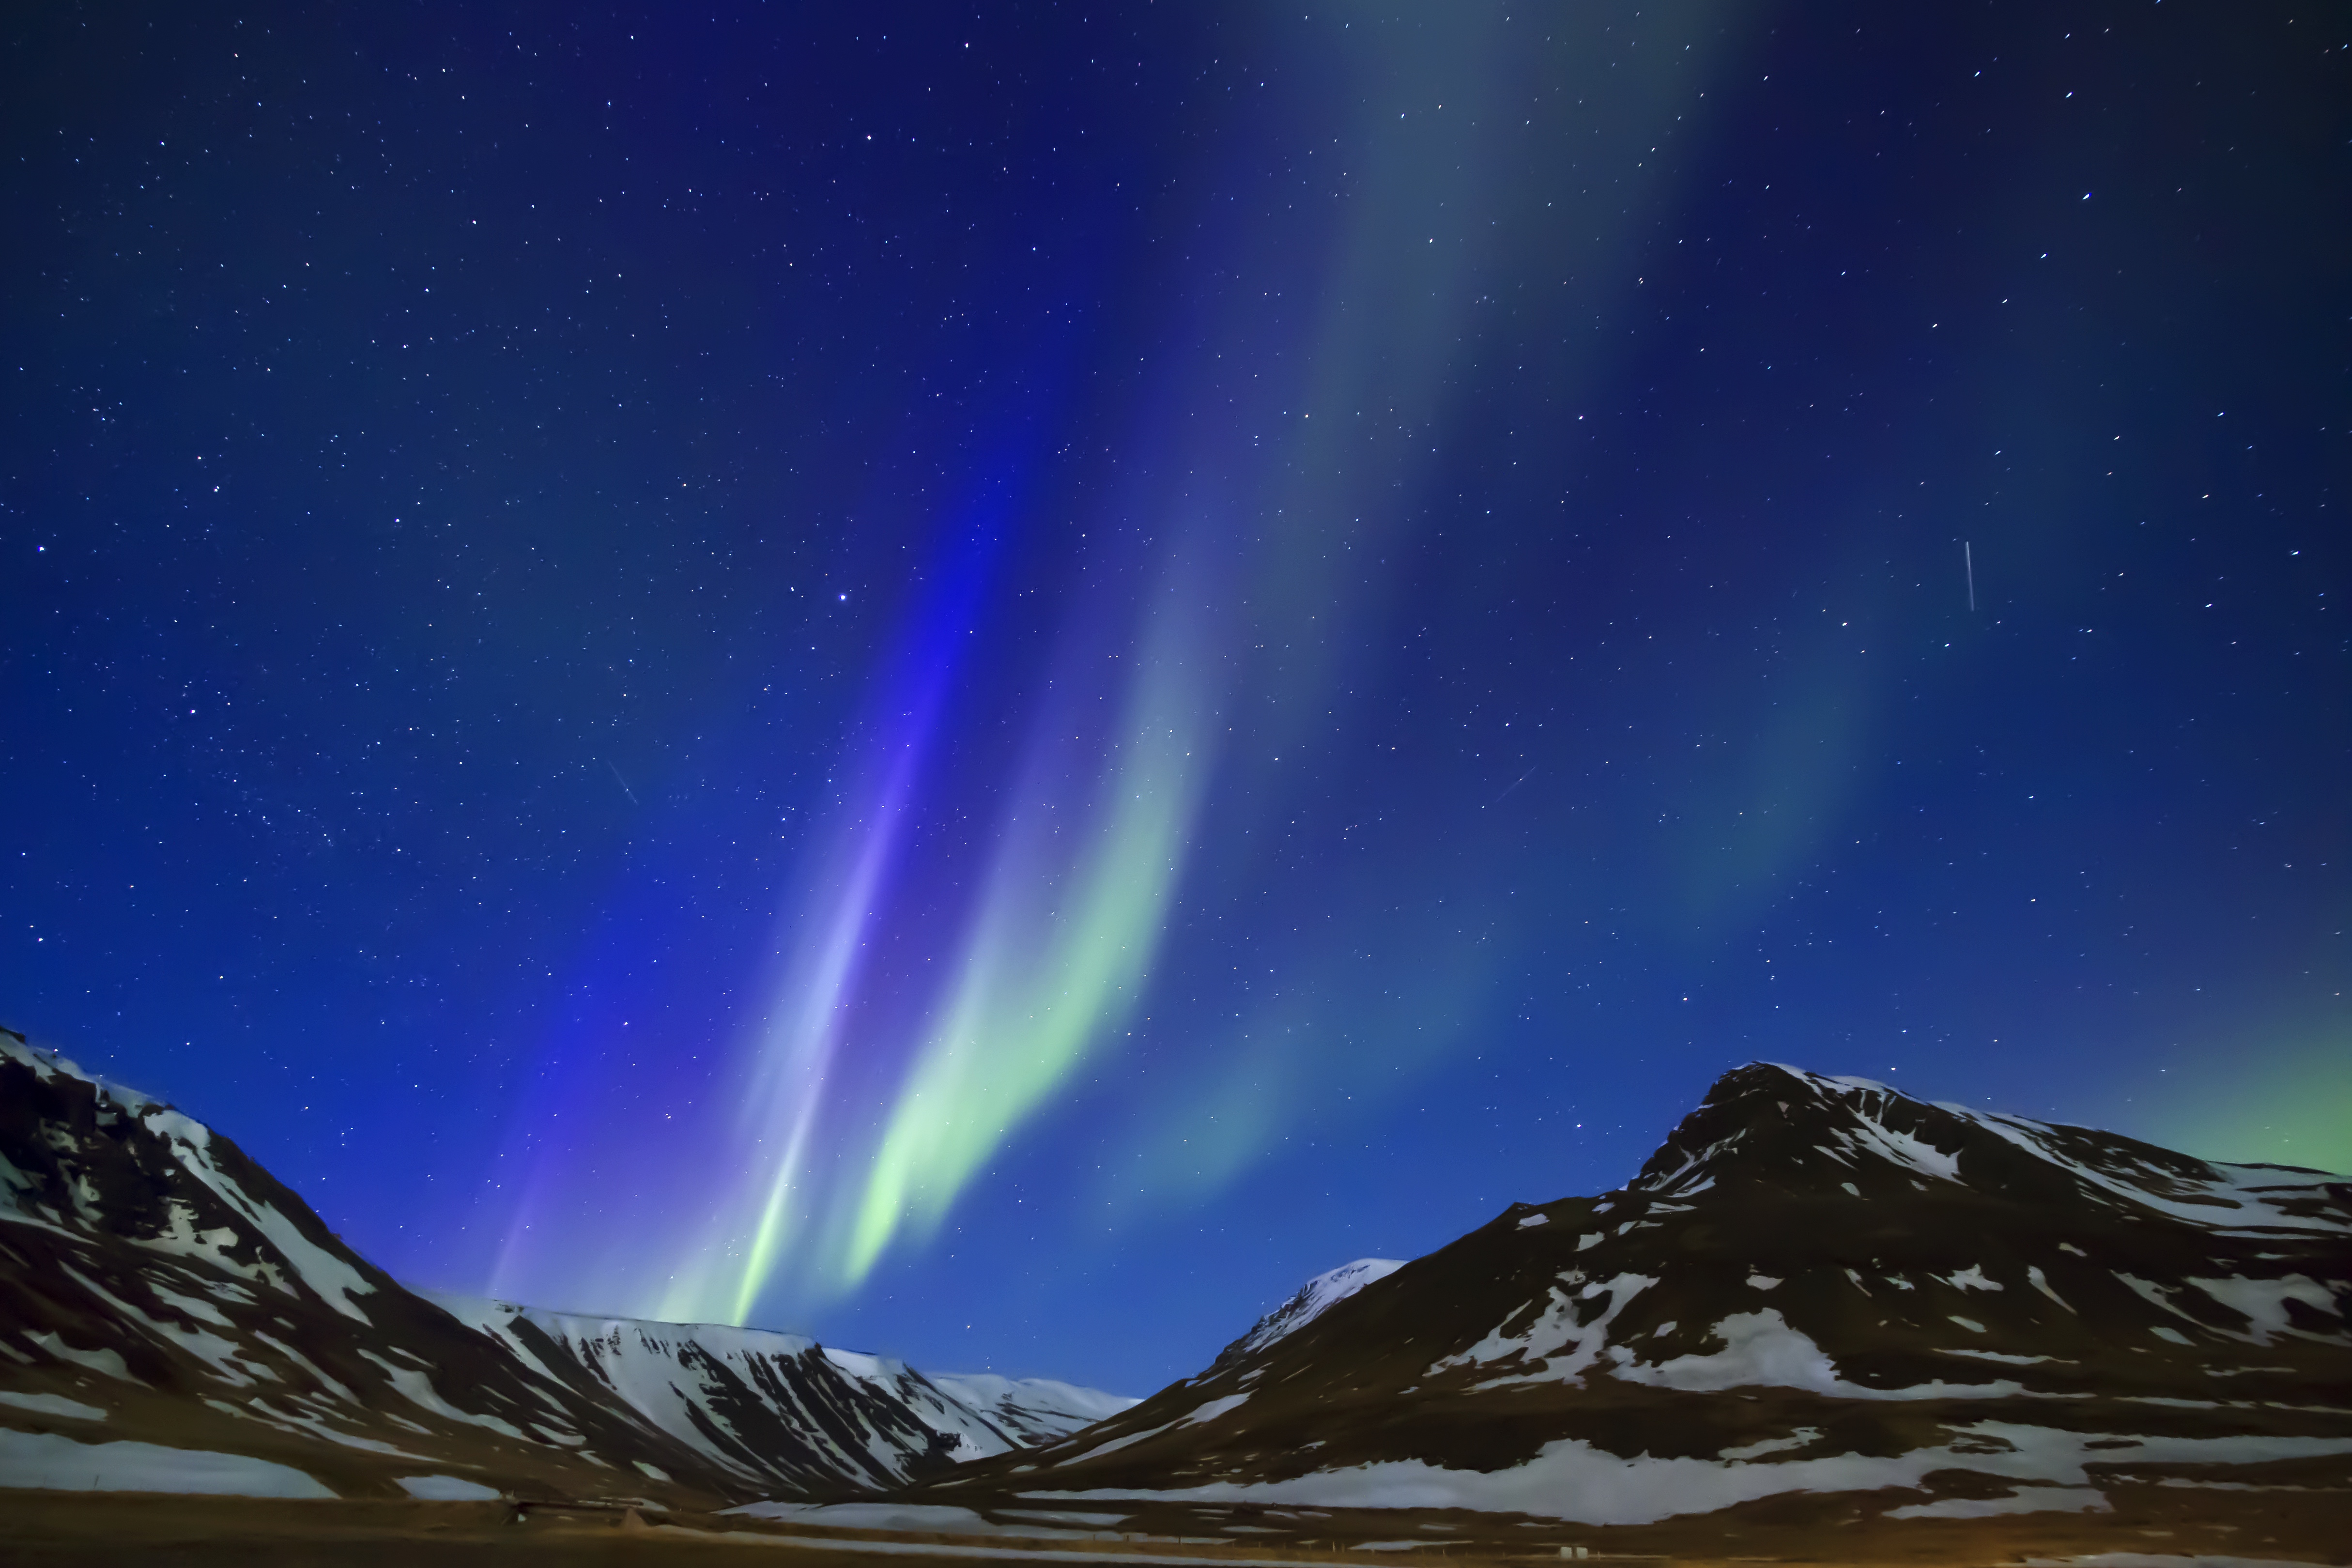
(799, 1056)
(1054, 948)
(1056, 956)
(792, 1064)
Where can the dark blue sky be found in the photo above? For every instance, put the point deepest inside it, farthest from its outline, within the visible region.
(990, 682)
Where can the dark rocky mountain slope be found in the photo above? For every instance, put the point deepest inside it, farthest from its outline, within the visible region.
(171, 1317)
(1817, 1285)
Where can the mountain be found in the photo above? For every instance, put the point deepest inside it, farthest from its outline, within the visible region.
(1310, 1301)
(695, 1379)
(1030, 1409)
(1817, 1288)
(1820, 1303)
(171, 1317)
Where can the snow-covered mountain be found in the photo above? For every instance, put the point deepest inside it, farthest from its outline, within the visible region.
(1818, 1286)
(1310, 1301)
(1032, 1409)
(1820, 1300)
(747, 1398)
(172, 1317)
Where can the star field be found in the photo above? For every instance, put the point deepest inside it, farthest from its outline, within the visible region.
(989, 682)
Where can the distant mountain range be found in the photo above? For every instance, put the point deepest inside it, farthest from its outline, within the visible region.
(1817, 1285)
(1819, 1295)
(173, 1318)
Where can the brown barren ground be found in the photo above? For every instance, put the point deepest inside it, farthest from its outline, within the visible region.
(39, 1529)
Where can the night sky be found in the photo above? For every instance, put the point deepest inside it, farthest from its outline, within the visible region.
(989, 682)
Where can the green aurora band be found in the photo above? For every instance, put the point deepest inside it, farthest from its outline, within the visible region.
(1274, 541)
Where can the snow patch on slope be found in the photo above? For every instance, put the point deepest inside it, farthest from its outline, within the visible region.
(54, 1463)
(52, 1405)
(1571, 1479)
(445, 1489)
(1538, 1348)
(1760, 1348)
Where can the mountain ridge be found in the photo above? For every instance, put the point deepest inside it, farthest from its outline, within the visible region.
(1817, 1285)
(156, 1283)
(1818, 1294)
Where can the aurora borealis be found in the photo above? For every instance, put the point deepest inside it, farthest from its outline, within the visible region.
(989, 682)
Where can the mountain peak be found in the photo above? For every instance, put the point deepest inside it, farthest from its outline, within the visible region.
(1769, 1127)
(1310, 1301)
(1818, 1285)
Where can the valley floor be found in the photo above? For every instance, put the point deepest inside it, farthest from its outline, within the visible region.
(42, 1529)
